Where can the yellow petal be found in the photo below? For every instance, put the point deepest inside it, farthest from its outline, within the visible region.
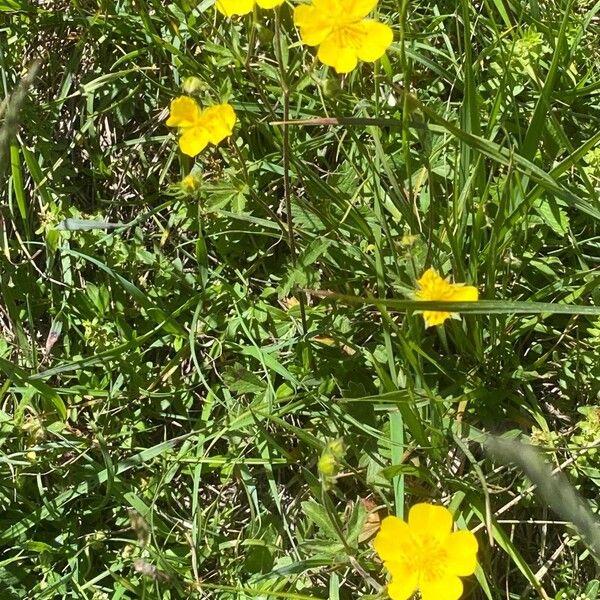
(447, 587)
(404, 582)
(464, 293)
(193, 140)
(235, 7)
(218, 121)
(435, 317)
(359, 9)
(269, 3)
(330, 8)
(430, 276)
(433, 287)
(219, 112)
(377, 39)
(314, 28)
(304, 15)
(394, 541)
(461, 548)
(333, 54)
(429, 522)
(184, 112)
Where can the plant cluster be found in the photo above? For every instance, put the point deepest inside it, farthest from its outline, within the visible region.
(231, 358)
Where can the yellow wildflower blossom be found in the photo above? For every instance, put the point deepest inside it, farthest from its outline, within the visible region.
(342, 32)
(425, 554)
(243, 7)
(432, 287)
(200, 127)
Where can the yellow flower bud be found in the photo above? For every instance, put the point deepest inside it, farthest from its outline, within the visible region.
(327, 465)
(331, 457)
(190, 184)
(191, 85)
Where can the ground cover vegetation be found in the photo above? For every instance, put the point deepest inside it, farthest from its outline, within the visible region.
(216, 230)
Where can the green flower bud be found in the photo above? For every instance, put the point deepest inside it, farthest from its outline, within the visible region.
(331, 457)
(191, 85)
(265, 35)
(331, 87)
(190, 184)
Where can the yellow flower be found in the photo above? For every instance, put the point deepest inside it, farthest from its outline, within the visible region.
(425, 554)
(243, 7)
(200, 127)
(342, 33)
(432, 287)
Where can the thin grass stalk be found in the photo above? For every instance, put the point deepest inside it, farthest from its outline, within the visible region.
(286, 163)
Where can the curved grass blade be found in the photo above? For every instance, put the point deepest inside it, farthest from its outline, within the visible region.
(554, 488)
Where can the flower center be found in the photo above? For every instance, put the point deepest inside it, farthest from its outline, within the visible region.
(437, 290)
(349, 35)
(432, 563)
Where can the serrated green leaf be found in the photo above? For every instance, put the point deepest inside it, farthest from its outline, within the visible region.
(318, 515)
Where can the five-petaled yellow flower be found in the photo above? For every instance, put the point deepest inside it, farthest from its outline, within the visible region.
(243, 7)
(342, 33)
(425, 554)
(434, 287)
(200, 127)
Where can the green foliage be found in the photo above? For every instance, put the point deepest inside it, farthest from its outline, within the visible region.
(172, 401)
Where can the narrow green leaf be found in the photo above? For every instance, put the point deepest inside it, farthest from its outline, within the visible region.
(17, 180)
(480, 307)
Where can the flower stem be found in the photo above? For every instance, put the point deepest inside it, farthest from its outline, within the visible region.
(286, 164)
